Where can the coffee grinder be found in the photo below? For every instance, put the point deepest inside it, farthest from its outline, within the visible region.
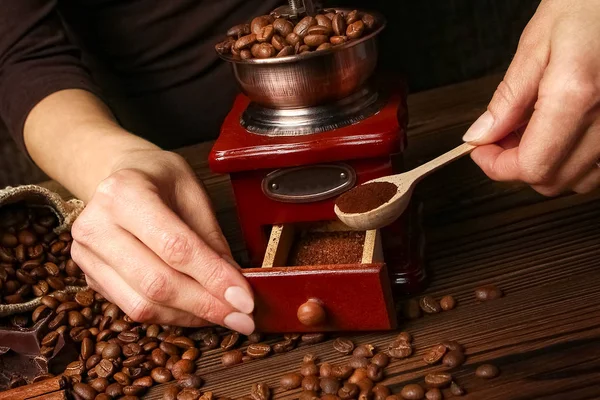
(305, 129)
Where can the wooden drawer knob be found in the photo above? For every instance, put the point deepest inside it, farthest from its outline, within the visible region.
(312, 313)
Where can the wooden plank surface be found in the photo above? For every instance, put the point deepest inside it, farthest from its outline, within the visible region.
(544, 253)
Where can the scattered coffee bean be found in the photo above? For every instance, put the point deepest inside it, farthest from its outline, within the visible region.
(291, 381)
(312, 338)
(488, 292)
(232, 357)
(182, 367)
(364, 350)
(487, 371)
(348, 391)
(400, 349)
(258, 350)
(435, 354)
(358, 362)
(374, 372)
(85, 391)
(358, 375)
(342, 371)
(189, 394)
(343, 345)
(171, 393)
(438, 379)
(308, 369)
(453, 345)
(447, 303)
(454, 359)
(412, 392)
(380, 392)
(326, 370)
(230, 341)
(329, 385)
(456, 389)
(311, 383)
(190, 381)
(260, 391)
(429, 305)
(434, 394)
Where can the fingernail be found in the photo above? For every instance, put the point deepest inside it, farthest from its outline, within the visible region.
(239, 322)
(479, 128)
(240, 299)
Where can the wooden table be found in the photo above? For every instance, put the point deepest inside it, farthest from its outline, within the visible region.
(543, 252)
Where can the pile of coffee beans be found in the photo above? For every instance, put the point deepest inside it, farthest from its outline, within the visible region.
(270, 36)
(34, 261)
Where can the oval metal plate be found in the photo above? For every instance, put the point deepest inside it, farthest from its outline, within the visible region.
(308, 184)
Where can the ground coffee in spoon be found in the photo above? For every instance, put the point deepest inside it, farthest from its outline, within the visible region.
(367, 197)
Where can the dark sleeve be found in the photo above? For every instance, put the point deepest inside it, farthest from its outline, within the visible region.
(36, 60)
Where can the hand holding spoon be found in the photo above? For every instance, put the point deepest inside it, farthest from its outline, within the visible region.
(405, 183)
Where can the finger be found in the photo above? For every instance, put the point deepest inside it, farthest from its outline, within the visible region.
(148, 218)
(590, 182)
(132, 304)
(514, 99)
(185, 203)
(497, 163)
(577, 164)
(510, 142)
(159, 284)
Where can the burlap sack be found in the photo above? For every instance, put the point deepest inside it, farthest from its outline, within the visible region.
(66, 211)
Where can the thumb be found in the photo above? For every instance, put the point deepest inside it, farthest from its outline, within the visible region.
(512, 103)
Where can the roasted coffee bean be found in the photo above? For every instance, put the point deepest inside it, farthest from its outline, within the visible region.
(112, 311)
(8, 240)
(438, 379)
(456, 389)
(318, 30)
(325, 22)
(169, 348)
(263, 50)
(145, 381)
(311, 382)
(488, 292)
(230, 341)
(329, 385)
(159, 357)
(52, 270)
(429, 305)
(171, 393)
(134, 372)
(6, 255)
(358, 375)
(232, 357)
(19, 253)
(50, 302)
(364, 350)
(99, 384)
(55, 283)
(324, 46)
(46, 351)
(301, 28)
(453, 345)
(26, 238)
(265, 34)
(286, 51)
(369, 21)
(210, 341)
(447, 303)
(259, 22)
(487, 371)
(57, 247)
(122, 379)
(25, 277)
(283, 27)
(381, 392)
(85, 391)
(381, 360)
(171, 362)
(365, 385)
(312, 338)
(38, 272)
(283, 347)
(39, 313)
(310, 358)
(128, 337)
(189, 394)
(343, 345)
(400, 349)
(114, 390)
(134, 390)
(309, 395)
(105, 368)
(303, 49)
(119, 325)
(87, 348)
(278, 42)
(92, 361)
(74, 368)
(150, 346)
(190, 381)
(258, 350)
(358, 362)
(337, 40)
(308, 369)
(183, 342)
(239, 30)
(412, 392)
(435, 354)
(325, 370)
(58, 320)
(41, 289)
(374, 372)
(293, 39)
(133, 349)
(260, 391)
(339, 25)
(76, 319)
(50, 339)
(454, 359)
(182, 367)
(434, 394)
(102, 396)
(25, 290)
(191, 354)
(13, 299)
(134, 361)
(111, 351)
(291, 381)
(100, 347)
(348, 391)
(153, 331)
(342, 371)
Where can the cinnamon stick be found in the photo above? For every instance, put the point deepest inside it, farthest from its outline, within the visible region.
(62, 395)
(35, 390)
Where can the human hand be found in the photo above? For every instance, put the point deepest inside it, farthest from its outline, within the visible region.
(542, 125)
(149, 242)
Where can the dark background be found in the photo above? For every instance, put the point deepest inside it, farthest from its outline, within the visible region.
(431, 42)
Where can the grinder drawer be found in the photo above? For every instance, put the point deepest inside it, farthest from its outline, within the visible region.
(290, 297)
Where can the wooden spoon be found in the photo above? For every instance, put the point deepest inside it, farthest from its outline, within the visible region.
(405, 182)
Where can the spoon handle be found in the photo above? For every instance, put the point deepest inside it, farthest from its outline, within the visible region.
(431, 166)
